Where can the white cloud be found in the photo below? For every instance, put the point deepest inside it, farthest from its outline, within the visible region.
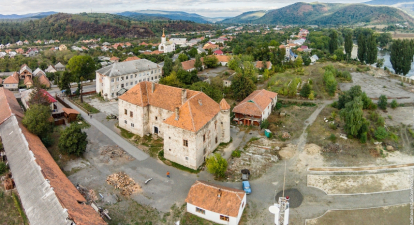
(213, 8)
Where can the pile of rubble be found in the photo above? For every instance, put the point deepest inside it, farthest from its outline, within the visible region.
(8, 182)
(254, 158)
(112, 152)
(332, 148)
(123, 182)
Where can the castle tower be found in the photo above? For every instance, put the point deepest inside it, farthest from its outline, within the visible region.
(225, 120)
(163, 39)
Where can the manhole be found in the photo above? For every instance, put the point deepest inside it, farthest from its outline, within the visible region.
(295, 197)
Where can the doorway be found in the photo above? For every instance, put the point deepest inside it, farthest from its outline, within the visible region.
(155, 130)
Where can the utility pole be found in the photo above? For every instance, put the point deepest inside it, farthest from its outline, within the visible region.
(281, 209)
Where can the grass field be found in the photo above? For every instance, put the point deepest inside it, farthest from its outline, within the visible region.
(9, 214)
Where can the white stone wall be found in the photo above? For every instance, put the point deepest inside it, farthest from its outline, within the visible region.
(225, 125)
(215, 217)
(136, 123)
(266, 113)
(155, 119)
(200, 144)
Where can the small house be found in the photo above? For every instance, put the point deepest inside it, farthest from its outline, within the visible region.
(216, 203)
(227, 81)
(70, 114)
(63, 48)
(59, 67)
(11, 82)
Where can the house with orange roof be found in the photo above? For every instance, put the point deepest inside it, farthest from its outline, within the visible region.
(131, 58)
(128, 44)
(25, 71)
(11, 82)
(19, 51)
(255, 108)
(220, 204)
(189, 65)
(223, 59)
(114, 59)
(191, 123)
(259, 65)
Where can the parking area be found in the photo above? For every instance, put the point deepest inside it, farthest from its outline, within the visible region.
(108, 108)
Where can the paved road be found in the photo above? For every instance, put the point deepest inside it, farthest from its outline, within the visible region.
(128, 147)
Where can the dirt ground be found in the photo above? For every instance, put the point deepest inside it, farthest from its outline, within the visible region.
(292, 123)
(375, 87)
(213, 72)
(398, 214)
(356, 184)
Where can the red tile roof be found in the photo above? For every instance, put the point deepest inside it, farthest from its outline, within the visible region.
(205, 195)
(65, 191)
(255, 103)
(70, 111)
(194, 113)
(218, 52)
(131, 58)
(223, 58)
(13, 79)
(44, 81)
(224, 105)
(48, 95)
(259, 64)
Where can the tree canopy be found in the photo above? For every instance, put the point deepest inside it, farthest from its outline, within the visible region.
(73, 140)
(36, 119)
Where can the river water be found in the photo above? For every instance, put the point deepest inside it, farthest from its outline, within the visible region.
(383, 54)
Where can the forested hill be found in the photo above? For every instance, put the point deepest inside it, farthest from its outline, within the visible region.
(246, 17)
(86, 25)
(331, 14)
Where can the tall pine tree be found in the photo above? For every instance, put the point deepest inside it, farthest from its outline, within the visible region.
(333, 41)
(362, 48)
(372, 50)
(348, 44)
(401, 56)
(168, 66)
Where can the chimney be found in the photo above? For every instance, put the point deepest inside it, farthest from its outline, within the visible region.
(152, 87)
(176, 113)
(183, 96)
(219, 194)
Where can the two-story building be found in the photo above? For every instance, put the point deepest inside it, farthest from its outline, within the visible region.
(191, 123)
(125, 75)
(255, 108)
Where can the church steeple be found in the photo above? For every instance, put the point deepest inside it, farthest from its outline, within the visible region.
(163, 35)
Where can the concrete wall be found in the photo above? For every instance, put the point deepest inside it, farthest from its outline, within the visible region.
(269, 108)
(11, 86)
(215, 217)
(139, 118)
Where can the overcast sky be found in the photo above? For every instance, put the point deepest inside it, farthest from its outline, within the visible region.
(209, 8)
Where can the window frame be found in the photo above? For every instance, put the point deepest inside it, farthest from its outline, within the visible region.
(201, 211)
(224, 218)
(185, 143)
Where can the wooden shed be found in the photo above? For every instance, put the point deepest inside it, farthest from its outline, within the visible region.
(70, 114)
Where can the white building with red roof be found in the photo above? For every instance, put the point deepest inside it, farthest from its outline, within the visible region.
(191, 123)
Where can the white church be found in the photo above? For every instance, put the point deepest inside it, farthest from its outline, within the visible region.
(165, 46)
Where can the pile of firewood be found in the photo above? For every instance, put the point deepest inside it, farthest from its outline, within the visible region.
(123, 182)
(8, 182)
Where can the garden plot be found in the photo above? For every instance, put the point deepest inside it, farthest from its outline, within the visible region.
(398, 214)
(360, 184)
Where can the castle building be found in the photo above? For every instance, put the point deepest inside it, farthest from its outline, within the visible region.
(191, 123)
(166, 46)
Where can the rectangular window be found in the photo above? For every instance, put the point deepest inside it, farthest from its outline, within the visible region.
(216, 140)
(132, 83)
(132, 125)
(122, 85)
(126, 77)
(125, 122)
(204, 138)
(136, 75)
(185, 143)
(156, 118)
(225, 218)
(132, 76)
(202, 211)
(215, 125)
(117, 79)
(112, 80)
(131, 114)
(126, 112)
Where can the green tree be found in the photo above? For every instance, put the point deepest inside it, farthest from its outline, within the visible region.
(382, 102)
(340, 54)
(209, 89)
(306, 60)
(211, 61)
(362, 48)
(36, 120)
(193, 52)
(401, 56)
(82, 67)
(233, 63)
(372, 50)
(73, 140)
(64, 82)
(353, 116)
(394, 104)
(333, 41)
(348, 44)
(182, 57)
(216, 165)
(306, 90)
(242, 86)
(380, 134)
(383, 39)
(198, 64)
(168, 66)
(171, 80)
(330, 82)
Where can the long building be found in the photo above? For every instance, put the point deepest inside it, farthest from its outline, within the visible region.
(116, 79)
(47, 195)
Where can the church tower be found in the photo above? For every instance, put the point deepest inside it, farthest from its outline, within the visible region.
(163, 39)
(225, 121)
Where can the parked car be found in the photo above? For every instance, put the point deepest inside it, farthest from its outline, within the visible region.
(246, 187)
(245, 174)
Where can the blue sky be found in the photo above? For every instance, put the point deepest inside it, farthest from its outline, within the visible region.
(209, 8)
